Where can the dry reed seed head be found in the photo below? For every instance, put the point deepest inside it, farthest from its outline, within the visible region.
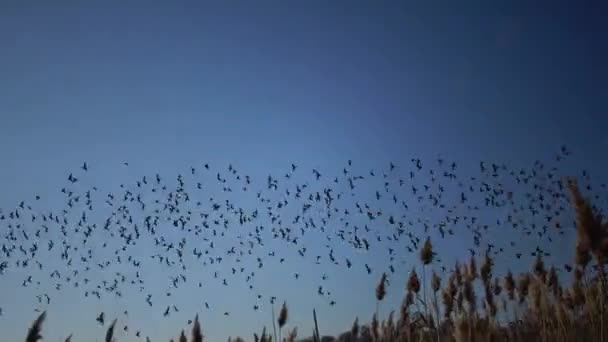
(497, 287)
(435, 282)
(469, 294)
(374, 327)
(452, 287)
(197, 335)
(391, 317)
(523, 286)
(553, 281)
(448, 302)
(536, 293)
(591, 232)
(582, 256)
(460, 301)
(366, 334)
(493, 309)
(539, 268)
(489, 294)
(449, 292)
(282, 315)
(458, 274)
(413, 284)
(392, 331)
(33, 335)
(486, 268)
(381, 287)
(110, 332)
(472, 270)
(426, 253)
(354, 330)
(509, 284)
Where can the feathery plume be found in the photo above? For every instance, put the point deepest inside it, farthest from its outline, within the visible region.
(182, 337)
(33, 334)
(197, 335)
(282, 315)
(472, 269)
(380, 288)
(354, 330)
(426, 253)
(509, 284)
(523, 286)
(413, 284)
(486, 269)
(110, 332)
(539, 268)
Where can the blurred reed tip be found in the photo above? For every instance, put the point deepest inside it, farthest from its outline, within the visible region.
(469, 294)
(539, 268)
(197, 335)
(552, 281)
(523, 286)
(592, 234)
(496, 287)
(110, 332)
(413, 284)
(282, 315)
(374, 327)
(381, 287)
(33, 334)
(354, 330)
(486, 269)
(509, 284)
(448, 297)
(457, 274)
(426, 253)
(472, 269)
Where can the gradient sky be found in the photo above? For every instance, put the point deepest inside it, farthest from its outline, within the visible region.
(261, 84)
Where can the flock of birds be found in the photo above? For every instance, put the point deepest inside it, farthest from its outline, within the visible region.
(324, 219)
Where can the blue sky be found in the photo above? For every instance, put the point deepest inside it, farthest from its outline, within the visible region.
(167, 85)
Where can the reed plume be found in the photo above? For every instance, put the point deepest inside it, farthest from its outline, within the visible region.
(33, 334)
(197, 335)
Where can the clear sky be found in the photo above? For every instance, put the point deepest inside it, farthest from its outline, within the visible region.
(262, 84)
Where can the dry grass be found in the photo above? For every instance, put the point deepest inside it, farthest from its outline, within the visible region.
(532, 306)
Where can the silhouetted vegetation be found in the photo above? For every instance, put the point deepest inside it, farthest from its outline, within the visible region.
(473, 304)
